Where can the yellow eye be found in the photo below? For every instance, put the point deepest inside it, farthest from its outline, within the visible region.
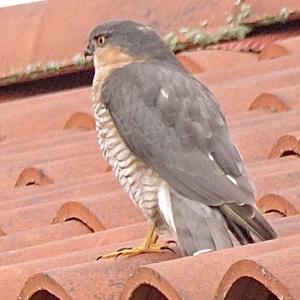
(101, 40)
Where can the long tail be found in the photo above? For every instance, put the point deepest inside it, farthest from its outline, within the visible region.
(198, 226)
(244, 220)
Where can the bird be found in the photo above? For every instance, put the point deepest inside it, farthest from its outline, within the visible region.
(165, 136)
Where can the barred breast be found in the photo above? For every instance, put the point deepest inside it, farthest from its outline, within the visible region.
(139, 181)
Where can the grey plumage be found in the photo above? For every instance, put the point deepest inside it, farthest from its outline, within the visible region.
(173, 123)
(198, 226)
(175, 136)
(136, 40)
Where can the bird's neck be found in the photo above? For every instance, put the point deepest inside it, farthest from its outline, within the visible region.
(101, 73)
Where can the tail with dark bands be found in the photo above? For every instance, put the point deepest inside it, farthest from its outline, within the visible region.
(244, 220)
(200, 227)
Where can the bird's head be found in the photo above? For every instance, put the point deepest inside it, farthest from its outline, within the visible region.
(125, 41)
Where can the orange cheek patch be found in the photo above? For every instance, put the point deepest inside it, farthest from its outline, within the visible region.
(106, 60)
(112, 55)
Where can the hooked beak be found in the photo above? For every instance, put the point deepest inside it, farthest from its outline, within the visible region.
(89, 51)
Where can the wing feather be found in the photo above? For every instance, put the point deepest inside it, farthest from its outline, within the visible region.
(173, 123)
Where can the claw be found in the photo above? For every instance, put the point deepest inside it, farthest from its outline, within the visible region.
(132, 251)
(167, 248)
(149, 245)
(124, 248)
(171, 242)
(118, 255)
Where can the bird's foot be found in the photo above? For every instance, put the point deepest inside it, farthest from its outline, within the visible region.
(143, 248)
(149, 245)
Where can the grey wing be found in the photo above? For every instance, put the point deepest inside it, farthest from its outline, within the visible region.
(173, 123)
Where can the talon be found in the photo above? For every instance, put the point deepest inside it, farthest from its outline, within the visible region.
(119, 254)
(149, 245)
(99, 257)
(167, 248)
(171, 242)
(124, 248)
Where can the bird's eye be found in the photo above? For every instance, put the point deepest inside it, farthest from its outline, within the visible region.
(101, 40)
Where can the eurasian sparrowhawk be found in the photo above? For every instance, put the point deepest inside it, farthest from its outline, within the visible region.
(164, 135)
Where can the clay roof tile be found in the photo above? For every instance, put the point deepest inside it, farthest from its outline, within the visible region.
(61, 206)
(182, 277)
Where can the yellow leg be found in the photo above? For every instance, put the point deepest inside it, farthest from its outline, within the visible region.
(148, 245)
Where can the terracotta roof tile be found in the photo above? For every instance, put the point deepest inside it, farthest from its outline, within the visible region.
(70, 189)
(287, 145)
(29, 19)
(205, 60)
(255, 85)
(37, 236)
(103, 279)
(46, 45)
(46, 150)
(60, 205)
(277, 271)
(259, 41)
(285, 226)
(63, 276)
(14, 280)
(59, 108)
(278, 99)
(180, 279)
(281, 48)
(57, 170)
(97, 212)
(239, 72)
(275, 175)
(285, 201)
(73, 244)
(262, 9)
(252, 139)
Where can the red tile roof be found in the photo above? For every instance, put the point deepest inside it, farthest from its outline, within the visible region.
(51, 50)
(60, 205)
(199, 277)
